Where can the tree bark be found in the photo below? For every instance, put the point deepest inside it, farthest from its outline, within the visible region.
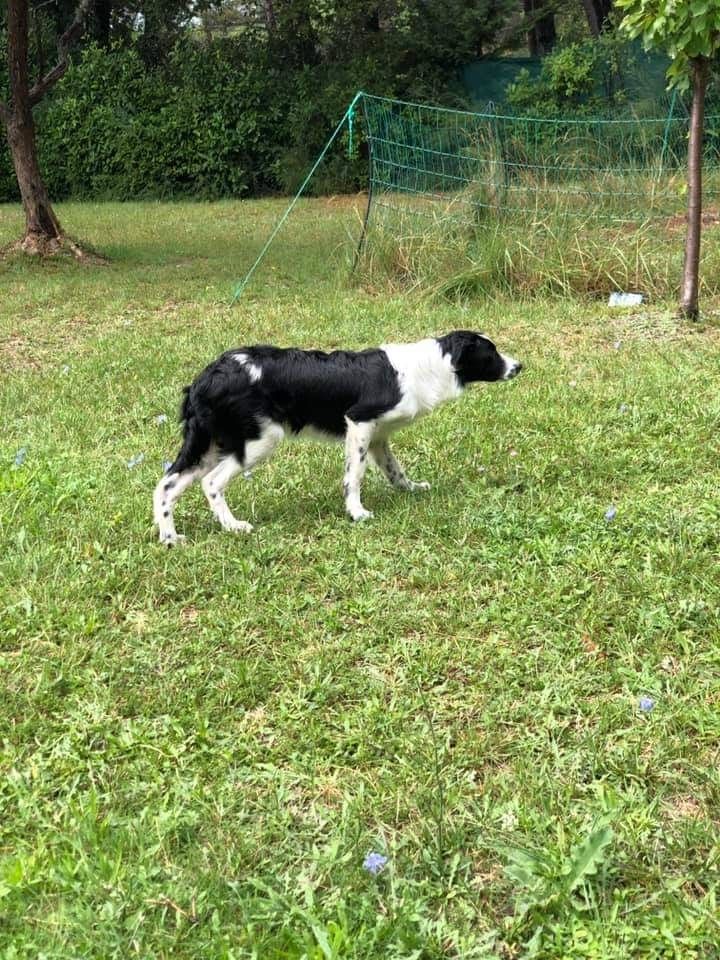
(41, 224)
(691, 269)
(597, 13)
(42, 228)
(270, 21)
(541, 32)
(102, 16)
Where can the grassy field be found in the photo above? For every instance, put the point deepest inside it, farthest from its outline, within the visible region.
(505, 688)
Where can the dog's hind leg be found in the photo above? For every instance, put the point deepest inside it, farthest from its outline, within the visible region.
(168, 492)
(357, 445)
(383, 457)
(216, 481)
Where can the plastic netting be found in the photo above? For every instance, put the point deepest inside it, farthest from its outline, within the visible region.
(478, 167)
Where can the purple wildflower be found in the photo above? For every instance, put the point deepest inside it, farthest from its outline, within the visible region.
(374, 863)
(646, 704)
(611, 513)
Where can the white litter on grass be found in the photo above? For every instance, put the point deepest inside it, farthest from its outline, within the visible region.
(135, 461)
(623, 408)
(20, 456)
(617, 344)
(166, 465)
(509, 820)
(66, 369)
(161, 418)
(611, 513)
(625, 299)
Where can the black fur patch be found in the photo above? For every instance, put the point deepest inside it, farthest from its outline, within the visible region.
(296, 388)
(474, 357)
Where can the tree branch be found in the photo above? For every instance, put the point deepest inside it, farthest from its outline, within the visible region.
(73, 32)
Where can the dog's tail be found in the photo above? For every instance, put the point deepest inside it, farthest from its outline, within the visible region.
(196, 438)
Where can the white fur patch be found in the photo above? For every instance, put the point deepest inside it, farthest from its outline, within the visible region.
(253, 370)
(512, 367)
(426, 378)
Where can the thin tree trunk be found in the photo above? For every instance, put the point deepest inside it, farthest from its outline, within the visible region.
(690, 283)
(101, 22)
(43, 232)
(41, 224)
(597, 13)
(270, 21)
(541, 32)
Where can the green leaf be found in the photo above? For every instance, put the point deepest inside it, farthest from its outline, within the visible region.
(586, 857)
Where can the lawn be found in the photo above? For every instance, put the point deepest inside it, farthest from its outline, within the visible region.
(509, 687)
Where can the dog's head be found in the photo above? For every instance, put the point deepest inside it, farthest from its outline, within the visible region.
(475, 357)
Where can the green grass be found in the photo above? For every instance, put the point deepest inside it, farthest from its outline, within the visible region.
(545, 253)
(200, 746)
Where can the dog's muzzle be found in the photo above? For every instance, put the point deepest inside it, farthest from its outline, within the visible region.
(512, 368)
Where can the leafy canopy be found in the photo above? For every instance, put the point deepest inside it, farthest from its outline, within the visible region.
(685, 29)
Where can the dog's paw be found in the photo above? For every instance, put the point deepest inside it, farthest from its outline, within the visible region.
(171, 539)
(361, 515)
(238, 526)
(419, 485)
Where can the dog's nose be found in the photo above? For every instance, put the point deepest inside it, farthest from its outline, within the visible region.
(518, 367)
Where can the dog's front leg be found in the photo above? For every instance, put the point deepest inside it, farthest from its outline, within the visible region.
(357, 445)
(384, 458)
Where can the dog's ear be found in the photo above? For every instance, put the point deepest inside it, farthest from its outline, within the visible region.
(460, 344)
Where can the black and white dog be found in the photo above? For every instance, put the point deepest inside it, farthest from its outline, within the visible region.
(242, 405)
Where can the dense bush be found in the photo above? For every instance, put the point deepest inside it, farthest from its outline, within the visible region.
(207, 124)
(226, 118)
(579, 78)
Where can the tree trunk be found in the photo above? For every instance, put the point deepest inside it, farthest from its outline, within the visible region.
(689, 297)
(42, 229)
(270, 21)
(102, 16)
(541, 32)
(43, 233)
(597, 13)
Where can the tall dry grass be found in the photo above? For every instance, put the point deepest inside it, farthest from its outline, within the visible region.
(435, 249)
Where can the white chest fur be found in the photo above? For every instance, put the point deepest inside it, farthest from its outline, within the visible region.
(426, 379)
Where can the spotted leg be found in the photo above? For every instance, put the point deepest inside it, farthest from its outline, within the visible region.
(383, 457)
(168, 492)
(215, 482)
(357, 445)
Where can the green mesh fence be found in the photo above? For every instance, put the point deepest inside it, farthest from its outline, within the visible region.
(483, 167)
(490, 169)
